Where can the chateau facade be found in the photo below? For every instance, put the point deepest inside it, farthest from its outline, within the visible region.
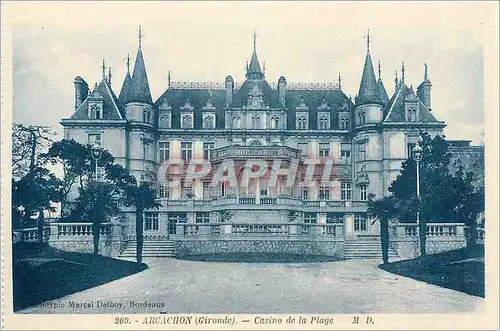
(360, 143)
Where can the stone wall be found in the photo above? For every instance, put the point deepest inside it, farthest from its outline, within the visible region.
(106, 247)
(334, 248)
(409, 248)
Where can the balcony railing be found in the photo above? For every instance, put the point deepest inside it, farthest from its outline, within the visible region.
(254, 152)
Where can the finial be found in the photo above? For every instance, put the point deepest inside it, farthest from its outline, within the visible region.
(109, 75)
(128, 64)
(169, 78)
(368, 41)
(426, 77)
(379, 72)
(246, 66)
(340, 82)
(264, 67)
(103, 69)
(140, 36)
(396, 79)
(402, 71)
(254, 41)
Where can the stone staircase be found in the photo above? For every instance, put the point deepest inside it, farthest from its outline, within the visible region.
(366, 248)
(151, 248)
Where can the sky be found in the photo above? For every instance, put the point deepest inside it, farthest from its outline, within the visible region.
(305, 42)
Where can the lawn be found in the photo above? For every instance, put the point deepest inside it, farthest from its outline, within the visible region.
(461, 270)
(42, 273)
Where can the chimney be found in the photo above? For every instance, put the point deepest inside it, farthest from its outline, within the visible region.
(424, 90)
(229, 90)
(282, 90)
(81, 91)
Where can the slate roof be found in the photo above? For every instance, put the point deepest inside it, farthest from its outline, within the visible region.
(313, 99)
(270, 95)
(198, 98)
(139, 88)
(368, 88)
(254, 71)
(395, 109)
(384, 97)
(123, 97)
(112, 107)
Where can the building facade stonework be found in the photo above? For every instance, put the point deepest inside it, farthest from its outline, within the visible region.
(360, 142)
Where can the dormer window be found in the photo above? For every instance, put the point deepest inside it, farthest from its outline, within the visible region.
(164, 121)
(209, 122)
(411, 115)
(302, 123)
(187, 122)
(323, 123)
(95, 112)
(274, 122)
(344, 123)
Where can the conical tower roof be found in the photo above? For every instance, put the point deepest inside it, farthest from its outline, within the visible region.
(368, 89)
(253, 70)
(123, 97)
(139, 87)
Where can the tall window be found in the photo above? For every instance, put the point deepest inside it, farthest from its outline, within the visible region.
(151, 221)
(324, 150)
(363, 193)
(206, 190)
(304, 192)
(410, 147)
(203, 217)
(187, 190)
(163, 151)
(344, 123)
(301, 123)
(411, 115)
(345, 154)
(95, 139)
(237, 122)
(187, 122)
(275, 122)
(207, 150)
(255, 122)
(360, 222)
(361, 149)
(223, 189)
(324, 193)
(303, 147)
(186, 151)
(163, 190)
(147, 115)
(96, 111)
(323, 123)
(345, 191)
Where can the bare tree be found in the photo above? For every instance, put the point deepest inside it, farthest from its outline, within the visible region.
(28, 141)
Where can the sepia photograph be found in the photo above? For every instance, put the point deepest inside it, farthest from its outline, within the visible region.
(249, 164)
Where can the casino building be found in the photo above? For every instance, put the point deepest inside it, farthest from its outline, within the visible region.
(361, 142)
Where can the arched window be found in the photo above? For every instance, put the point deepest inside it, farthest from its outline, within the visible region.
(302, 123)
(255, 143)
(236, 122)
(274, 122)
(323, 123)
(147, 115)
(163, 122)
(255, 122)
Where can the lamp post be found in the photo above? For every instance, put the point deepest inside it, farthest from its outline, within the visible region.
(96, 155)
(417, 157)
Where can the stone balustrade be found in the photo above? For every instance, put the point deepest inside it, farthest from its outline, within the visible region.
(257, 230)
(254, 152)
(31, 234)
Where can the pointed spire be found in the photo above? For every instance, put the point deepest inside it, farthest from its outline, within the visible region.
(379, 72)
(402, 72)
(103, 67)
(140, 36)
(396, 80)
(253, 69)
(139, 87)
(169, 78)
(340, 82)
(109, 75)
(426, 76)
(264, 68)
(368, 89)
(128, 64)
(368, 41)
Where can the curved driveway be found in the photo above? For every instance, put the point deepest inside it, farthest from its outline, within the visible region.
(353, 286)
